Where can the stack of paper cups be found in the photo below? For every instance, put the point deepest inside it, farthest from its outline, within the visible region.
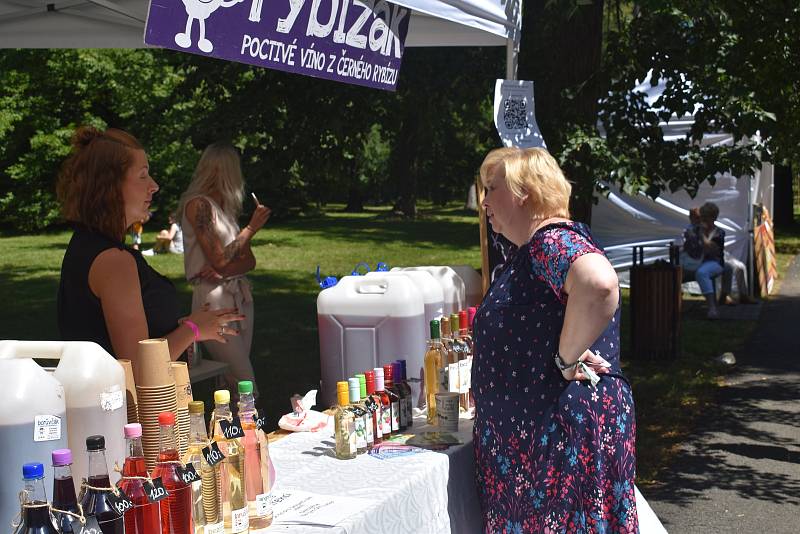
(183, 391)
(155, 392)
(130, 391)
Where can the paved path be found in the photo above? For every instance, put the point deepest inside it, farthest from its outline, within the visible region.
(740, 471)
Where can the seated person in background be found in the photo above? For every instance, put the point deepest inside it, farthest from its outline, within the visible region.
(704, 246)
(136, 234)
(170, 240)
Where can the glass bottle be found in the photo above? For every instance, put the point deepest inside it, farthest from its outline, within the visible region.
(360, 421)
(36, 517)
(206, 505)
(386, 404)
(344, 425)
(398, 414)
(176, 509)
(375, 405)
(460, 361)
(401, 382)
(94, 501)
(232, 469)
(256, 460)
(434, 359)
(64, 492)
(368, 412)
(144, 517)
(447, 343)
(465, 363)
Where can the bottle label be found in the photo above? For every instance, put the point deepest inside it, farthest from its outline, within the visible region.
(378, 422)
(263, 508)
(112, 399)
(351, 439)
(231, 429)
(464, 375)
(212, 454)
(120, 503)
(361, 432)
(444, 380)
(216, 528)
(386, 421)
(403, 414)
(46, 428)
(395, 416)
(240, 521)
(188, 473)
(260, 421)
(370, 433)
(452, 375)
(409, 406)
(155, 490)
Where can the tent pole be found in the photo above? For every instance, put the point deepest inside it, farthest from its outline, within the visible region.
(511, 59)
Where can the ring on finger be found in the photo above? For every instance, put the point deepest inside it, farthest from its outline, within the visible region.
(221, 331)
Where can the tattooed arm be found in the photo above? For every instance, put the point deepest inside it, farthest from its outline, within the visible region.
(228, 260)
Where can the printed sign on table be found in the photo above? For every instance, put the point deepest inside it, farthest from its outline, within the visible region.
(351, 41)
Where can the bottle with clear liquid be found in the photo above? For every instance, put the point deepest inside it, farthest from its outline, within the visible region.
(368, 413)
(36, 517)
(465, 362)
(344, 424)
(256, 460)
(458, 365)
(434, 359)
(386, 403)
(232, 472)
(144, 517)
(206, 505)
(375, 406)
(94, 500)
(64, 492)
(176, 509)
(360, 421)
(394, 398)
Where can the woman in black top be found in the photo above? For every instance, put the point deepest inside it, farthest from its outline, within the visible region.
(108, 293)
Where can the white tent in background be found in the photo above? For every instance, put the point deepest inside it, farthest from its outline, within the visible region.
(621, 221)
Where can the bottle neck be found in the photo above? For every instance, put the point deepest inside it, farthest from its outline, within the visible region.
(134, 447)
(167, 438)
(97, 463)
(197, 428)
(62, 471)
(247, 403)
(34, 490)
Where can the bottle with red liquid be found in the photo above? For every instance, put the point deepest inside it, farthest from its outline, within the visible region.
(375, 406)
(36, 510)
(144, 517)
(176, 509)
(386, 404)
(407, 397)
(94, 500)
(64, 492)
(398, 420)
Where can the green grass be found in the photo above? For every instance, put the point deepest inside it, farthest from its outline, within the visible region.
(669, 395)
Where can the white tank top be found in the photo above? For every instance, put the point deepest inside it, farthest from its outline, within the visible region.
(226, 228)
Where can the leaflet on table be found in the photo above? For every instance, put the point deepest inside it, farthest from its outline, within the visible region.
(302, 507)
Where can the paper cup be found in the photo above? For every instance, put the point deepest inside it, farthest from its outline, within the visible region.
(447, 411)
(153, 364)
(183, 387)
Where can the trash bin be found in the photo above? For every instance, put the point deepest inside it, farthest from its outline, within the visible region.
(655, 302)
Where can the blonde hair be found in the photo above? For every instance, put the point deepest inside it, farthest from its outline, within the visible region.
(533, 172)
(219, 170)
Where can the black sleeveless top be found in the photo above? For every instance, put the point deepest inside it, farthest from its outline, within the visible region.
(80, 314)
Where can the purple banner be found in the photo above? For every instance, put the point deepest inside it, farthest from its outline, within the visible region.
(352, 41)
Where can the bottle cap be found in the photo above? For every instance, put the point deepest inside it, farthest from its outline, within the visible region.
(362, 385)
(343, 396)
(435, 332)
(133, 430)
(445, 324)
(245, 387)
(95, 443)
(379, 384)
(403, 370)
(166, 419)
(471, 311)
(342, 385)
(197, 407)
(62, 457)
(222, 396)
(388, 375)
(454, 324)
(355, 389)
(397, 372)
(369, 377)
(32, 471)
(462, 320)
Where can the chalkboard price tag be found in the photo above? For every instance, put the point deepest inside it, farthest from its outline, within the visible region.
(233, 429)
(155, 490)
(188, 473)
(260, 421)
(212, 454)
(120, 503)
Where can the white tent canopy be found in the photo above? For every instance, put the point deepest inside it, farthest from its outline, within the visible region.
(621, 221)
(120, 23)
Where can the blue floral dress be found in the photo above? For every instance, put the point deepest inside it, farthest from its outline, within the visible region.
(551, 455)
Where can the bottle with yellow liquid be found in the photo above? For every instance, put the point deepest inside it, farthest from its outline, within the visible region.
(344, 424)
(435, 358)
(206, 504)
(235, 513)
(256, 461)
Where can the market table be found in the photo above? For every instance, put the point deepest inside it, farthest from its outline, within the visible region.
(428, 492)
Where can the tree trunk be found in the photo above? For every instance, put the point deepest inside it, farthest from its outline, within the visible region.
(355, 201)
(783, 196)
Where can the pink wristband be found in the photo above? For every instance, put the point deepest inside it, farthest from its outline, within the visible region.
(194, 328)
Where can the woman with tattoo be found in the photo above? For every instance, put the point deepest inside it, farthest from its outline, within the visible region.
(217, 252)
(108, 293)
